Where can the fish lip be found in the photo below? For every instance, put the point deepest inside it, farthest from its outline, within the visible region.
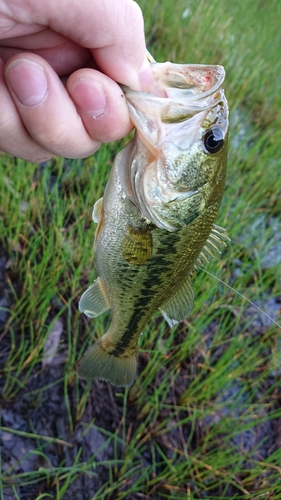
(182, 94)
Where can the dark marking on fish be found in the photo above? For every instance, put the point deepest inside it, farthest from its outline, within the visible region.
(157, 275)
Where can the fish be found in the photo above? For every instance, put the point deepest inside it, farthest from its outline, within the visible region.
(156, 220)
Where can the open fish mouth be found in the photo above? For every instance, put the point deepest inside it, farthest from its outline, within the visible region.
(180, 93)
(179, 90)
(192, 80)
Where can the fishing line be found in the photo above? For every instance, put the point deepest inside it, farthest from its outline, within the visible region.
(241, 295)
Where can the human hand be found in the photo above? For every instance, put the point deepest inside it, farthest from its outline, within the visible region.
(59, 64)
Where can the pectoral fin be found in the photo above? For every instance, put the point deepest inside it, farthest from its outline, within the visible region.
(93, 301)
(97, 210)
(179, 306)
(137, 246)
(97, 217)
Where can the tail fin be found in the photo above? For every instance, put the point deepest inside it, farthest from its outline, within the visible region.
(97, 363)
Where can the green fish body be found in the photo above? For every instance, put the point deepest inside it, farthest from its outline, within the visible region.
(156, 219)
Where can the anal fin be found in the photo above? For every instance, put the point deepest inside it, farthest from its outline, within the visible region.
(178, 307)
(93, 301)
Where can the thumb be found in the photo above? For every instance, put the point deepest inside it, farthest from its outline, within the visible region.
(113, 31)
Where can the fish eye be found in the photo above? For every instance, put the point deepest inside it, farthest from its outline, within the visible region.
(213, 140)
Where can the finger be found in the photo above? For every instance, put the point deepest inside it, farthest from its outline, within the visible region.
(101, 105)
(14, 138)
(63, 54)
(112, 30)
(50, 116)
(46, 109)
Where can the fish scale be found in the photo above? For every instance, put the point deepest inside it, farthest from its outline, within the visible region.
(156, 219)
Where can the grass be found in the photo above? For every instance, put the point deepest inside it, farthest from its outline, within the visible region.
(203, 418)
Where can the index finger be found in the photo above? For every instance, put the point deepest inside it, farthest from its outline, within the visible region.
(113, 31)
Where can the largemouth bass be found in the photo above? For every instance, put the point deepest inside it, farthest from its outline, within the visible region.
(156, 219)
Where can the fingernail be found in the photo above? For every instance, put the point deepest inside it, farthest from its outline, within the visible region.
(88, 96)
(28, 81)
(145, 76)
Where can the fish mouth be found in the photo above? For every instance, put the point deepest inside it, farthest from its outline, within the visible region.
(180, 90)
(188, 81)
(185, 81)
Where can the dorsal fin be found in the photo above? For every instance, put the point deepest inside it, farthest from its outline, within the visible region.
(214, 244)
